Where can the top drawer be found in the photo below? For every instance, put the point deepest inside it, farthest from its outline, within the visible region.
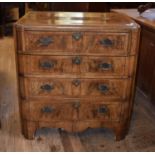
(55, 43)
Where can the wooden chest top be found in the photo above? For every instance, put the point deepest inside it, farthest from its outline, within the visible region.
(76, 19)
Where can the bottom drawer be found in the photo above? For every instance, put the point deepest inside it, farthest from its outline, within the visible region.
(70, 109)
(54, 110)
(99, 110)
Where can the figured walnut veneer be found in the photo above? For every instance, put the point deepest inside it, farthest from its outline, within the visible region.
(76, 70)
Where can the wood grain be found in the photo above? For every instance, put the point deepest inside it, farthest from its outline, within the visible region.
(140, 137)
(64, 42)
(118, 41)
(88, 67)
(107, 89)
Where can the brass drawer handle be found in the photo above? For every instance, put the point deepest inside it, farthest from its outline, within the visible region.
(47, 110)
(76, 82)
(103, 88)
(105, 66)
(77, 36)
(45, 41)
(47, 64)
(47, 87)
(76, 104)
(103, 109)
(77, 60)
(106, 42)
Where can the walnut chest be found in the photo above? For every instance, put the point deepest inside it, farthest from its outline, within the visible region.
(76, 70)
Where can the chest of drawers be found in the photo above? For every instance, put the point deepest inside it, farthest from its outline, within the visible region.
(76, 71)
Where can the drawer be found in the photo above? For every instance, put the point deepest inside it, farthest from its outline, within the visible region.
(108, 43)
(75, 42)
(72, 65)
(51, 110)
(99, 110)
(53, 42)
(110, 89)
(70, 109)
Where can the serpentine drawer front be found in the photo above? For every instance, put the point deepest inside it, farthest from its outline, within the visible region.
(75, 42)
(86, 66)
(109, 89)
(76, 71)
(71, 110)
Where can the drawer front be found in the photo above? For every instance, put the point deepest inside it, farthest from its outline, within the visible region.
(99, 110)
(51, 110)
(72, 65)
(70, 109)
(53, 41)
(110, 89)
(108, 43)
(58, 43)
